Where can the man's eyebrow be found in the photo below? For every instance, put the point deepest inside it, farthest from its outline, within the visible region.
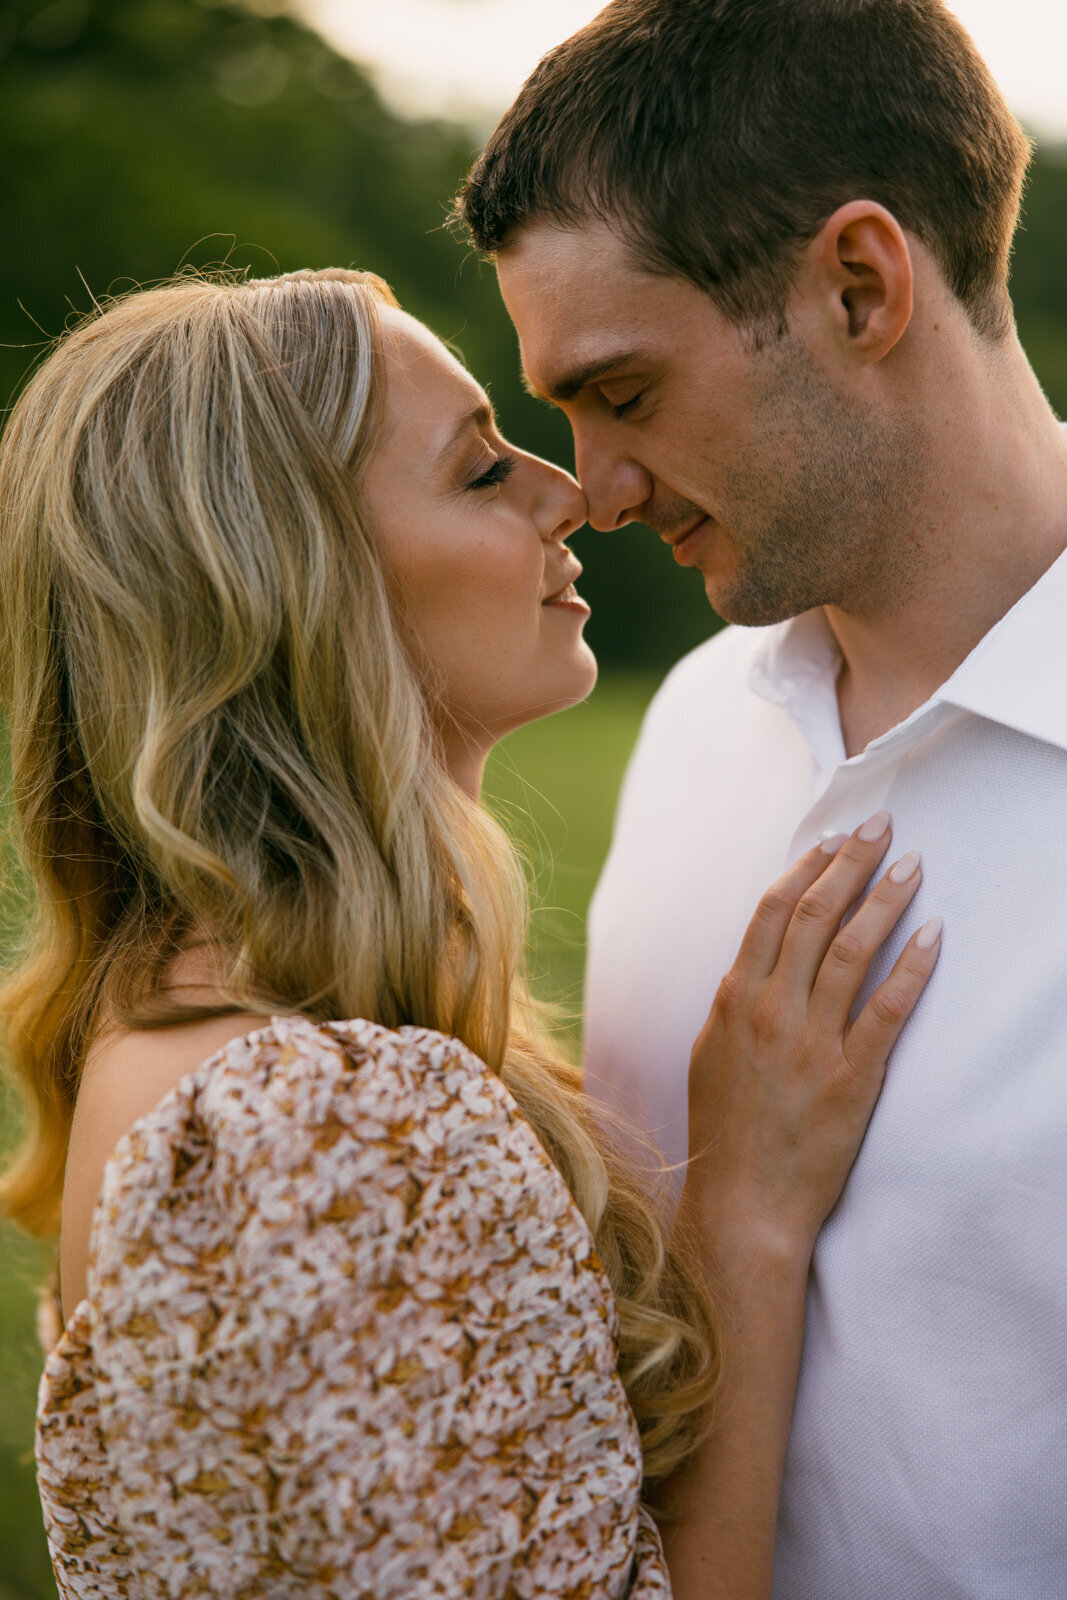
(480, 416)
(571, 383)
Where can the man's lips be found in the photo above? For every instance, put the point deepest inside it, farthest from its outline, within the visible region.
(685, 542)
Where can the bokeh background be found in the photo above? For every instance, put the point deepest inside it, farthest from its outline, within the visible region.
(137, 136)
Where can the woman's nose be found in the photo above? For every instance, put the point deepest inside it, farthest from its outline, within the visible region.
(562, 507)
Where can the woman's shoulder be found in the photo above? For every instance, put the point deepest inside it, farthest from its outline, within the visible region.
(290, 1072)
(334, 1270)
(290, 1125)
(329, 1089)
(309, 1174)
(240, 1079)
(244, 1092)
(127, 1074)
(297, 1106)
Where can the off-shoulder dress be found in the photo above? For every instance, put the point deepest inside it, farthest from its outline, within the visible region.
(345, 1335)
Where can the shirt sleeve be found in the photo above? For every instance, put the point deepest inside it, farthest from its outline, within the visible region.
(349, 1332)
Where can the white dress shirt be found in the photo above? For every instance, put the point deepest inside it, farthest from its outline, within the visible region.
(928, 1459)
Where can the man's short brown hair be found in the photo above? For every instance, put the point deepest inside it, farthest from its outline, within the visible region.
(717, 136)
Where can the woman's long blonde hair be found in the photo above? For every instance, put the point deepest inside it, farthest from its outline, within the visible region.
(217, 731)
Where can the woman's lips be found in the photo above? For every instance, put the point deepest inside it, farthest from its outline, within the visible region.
(567, 599)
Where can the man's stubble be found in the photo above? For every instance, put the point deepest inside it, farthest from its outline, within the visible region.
(821, 508)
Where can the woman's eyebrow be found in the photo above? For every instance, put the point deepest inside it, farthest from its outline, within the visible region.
(570, 383)
(479, 416)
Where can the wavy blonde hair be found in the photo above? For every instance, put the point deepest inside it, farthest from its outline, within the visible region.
(218, 731)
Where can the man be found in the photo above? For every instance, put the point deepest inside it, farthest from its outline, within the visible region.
(757, 251)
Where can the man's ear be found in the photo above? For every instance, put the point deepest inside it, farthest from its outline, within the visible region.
(861, 269)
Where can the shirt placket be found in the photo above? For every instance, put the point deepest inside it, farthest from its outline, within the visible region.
(858, 787)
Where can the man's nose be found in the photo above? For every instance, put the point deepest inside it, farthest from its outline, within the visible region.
(615, 485)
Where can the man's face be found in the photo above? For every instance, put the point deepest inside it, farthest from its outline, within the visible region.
(767, 466)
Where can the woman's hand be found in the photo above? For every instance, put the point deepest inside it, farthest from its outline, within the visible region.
(782, 1082)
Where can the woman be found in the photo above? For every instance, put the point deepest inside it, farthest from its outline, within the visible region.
(358, 1298)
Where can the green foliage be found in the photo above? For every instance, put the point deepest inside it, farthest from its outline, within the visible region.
(1039, 274)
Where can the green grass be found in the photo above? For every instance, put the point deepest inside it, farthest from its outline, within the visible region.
(554, 785)
(25, 1572)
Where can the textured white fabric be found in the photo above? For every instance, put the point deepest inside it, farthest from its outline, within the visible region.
(929, 1452)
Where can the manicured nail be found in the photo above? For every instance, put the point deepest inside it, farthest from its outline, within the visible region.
(905, 868)
(929, 934)
(874, 827)
(832, 845)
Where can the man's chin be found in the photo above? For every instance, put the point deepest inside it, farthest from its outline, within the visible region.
(749, 605)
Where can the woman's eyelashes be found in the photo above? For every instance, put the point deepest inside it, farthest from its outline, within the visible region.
(501, 469)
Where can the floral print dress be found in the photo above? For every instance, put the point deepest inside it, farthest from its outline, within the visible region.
(345, 1336)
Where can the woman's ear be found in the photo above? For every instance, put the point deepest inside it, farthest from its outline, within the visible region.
(860, 268)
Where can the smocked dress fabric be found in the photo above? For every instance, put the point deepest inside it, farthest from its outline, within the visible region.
(345, 1336)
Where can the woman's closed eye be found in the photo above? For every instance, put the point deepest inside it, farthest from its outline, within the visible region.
(501, 469)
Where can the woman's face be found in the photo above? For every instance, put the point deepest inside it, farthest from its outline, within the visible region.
(472, 535)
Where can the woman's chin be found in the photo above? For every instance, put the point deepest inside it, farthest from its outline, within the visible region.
(592, 671)
(564, 690)
(576, 687)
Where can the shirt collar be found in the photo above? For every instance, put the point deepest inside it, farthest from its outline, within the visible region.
(795, 666)
(793, 656)
(1016, 675)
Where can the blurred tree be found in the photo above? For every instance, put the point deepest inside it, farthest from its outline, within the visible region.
(1039, 273)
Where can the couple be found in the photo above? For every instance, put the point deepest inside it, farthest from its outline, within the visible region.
(360, 1296)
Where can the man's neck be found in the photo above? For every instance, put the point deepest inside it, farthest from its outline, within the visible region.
(995, 521)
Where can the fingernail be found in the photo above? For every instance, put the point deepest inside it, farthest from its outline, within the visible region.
(874, 827)
(833, 844)
(905, 868)
(929, 934)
